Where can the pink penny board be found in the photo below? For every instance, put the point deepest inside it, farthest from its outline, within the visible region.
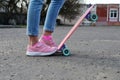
(74, 27)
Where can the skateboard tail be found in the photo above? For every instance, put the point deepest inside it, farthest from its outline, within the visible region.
(75, 27)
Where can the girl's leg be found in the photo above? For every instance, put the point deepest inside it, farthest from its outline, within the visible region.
(51, 16)
(50, 21)
(35, 47)
(33, 20)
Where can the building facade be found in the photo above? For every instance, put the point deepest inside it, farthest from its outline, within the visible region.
(108, 14)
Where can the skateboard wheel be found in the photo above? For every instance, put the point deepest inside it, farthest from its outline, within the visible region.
(93, 17)
(66, 52)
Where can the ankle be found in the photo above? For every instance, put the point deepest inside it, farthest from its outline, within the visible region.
(33, 40)
(32, 43)
(47, 32)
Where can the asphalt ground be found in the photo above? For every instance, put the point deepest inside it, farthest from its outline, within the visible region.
(95, 55)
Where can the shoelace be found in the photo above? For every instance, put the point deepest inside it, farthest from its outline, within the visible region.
(41, 44)
(51, 42)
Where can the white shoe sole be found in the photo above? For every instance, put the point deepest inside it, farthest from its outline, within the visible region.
(39, 53)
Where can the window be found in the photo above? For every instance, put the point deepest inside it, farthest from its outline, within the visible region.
(113, 14)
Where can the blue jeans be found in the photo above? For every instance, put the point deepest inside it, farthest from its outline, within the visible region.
(34, 12)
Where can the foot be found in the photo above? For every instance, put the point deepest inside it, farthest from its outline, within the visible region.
(40, 49)
(48, 40)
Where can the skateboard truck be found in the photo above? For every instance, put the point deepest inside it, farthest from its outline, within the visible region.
(64, 49)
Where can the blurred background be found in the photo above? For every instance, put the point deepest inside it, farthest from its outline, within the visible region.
(14, 12)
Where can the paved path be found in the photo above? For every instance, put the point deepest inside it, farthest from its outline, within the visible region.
(95, 56)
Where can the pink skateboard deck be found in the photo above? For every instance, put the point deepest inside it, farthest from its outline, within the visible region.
(74, 28)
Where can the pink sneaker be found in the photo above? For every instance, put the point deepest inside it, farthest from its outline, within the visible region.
(40, 49)
(48, 40)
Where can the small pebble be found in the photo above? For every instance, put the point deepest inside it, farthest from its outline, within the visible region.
(118, 71)
(104, 77)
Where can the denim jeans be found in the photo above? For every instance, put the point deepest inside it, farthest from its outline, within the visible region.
(34, 12)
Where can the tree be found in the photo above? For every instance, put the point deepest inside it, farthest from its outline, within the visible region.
(13, 9)
(14, 6)
(70, 9)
